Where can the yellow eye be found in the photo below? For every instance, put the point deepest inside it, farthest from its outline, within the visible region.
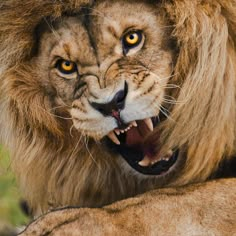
(131, 40)
(66, 66)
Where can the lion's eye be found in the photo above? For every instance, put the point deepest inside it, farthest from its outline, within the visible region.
(66, 66)
(132, 40)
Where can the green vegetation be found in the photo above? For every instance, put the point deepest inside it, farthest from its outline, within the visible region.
(9, 194)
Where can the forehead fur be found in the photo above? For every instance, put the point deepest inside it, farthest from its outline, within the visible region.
(68, 38)
(22, 17)
(111, 24)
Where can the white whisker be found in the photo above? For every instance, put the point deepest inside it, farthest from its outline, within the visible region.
(71, 128)
(54, 115)
(54, 32)
(166, 113)
(76, 146)
(172, 100)
(87, 148)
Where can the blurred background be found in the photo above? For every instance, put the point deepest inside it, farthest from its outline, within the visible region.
(12, 216)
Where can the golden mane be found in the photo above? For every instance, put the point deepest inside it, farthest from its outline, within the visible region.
(205, 116)
(202, 124)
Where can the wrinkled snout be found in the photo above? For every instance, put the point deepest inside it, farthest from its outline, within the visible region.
(116, 104)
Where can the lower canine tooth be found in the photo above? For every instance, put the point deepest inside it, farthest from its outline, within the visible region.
(113, 138)
(145, 162)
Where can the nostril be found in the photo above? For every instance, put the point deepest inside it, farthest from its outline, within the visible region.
(100, 109)
(116, 104)
(120, 96)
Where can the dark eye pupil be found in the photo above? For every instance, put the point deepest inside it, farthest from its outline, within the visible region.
(131, 36)
(67, 63)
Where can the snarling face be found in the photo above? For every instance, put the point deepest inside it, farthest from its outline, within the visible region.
(112, 69)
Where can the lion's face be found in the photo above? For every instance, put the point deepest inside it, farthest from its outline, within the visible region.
(111, 69)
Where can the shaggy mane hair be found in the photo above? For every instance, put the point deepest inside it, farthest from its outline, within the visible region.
(45, 155)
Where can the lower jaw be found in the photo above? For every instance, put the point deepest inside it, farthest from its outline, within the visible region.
(157, 169)
(133, 157)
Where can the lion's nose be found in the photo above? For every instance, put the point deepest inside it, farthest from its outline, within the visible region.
(116, 104)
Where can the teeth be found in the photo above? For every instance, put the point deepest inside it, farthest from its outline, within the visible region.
(168, 156)
(165, 158)
(149, 162)
(145, 162)
(117, 131)
(127, 129)
(154, 162)
(149, 124)
(113, 138)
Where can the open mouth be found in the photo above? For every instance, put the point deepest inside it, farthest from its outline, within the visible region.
(129, 142)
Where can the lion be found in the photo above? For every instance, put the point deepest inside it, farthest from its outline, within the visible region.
(199, 209)
(102, 101)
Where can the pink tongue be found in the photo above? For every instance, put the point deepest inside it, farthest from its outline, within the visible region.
(135, 136)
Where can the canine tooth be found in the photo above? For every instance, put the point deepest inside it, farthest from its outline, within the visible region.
(117, 131)
(134, 123)
(170, 153)
(167, 156)
(149, 124)
(122, 131)
(113, 138)
(145, 162)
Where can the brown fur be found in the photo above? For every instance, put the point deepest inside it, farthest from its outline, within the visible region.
(54, 169)
(160, 212)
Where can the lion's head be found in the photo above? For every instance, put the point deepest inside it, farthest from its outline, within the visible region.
(106, 100)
